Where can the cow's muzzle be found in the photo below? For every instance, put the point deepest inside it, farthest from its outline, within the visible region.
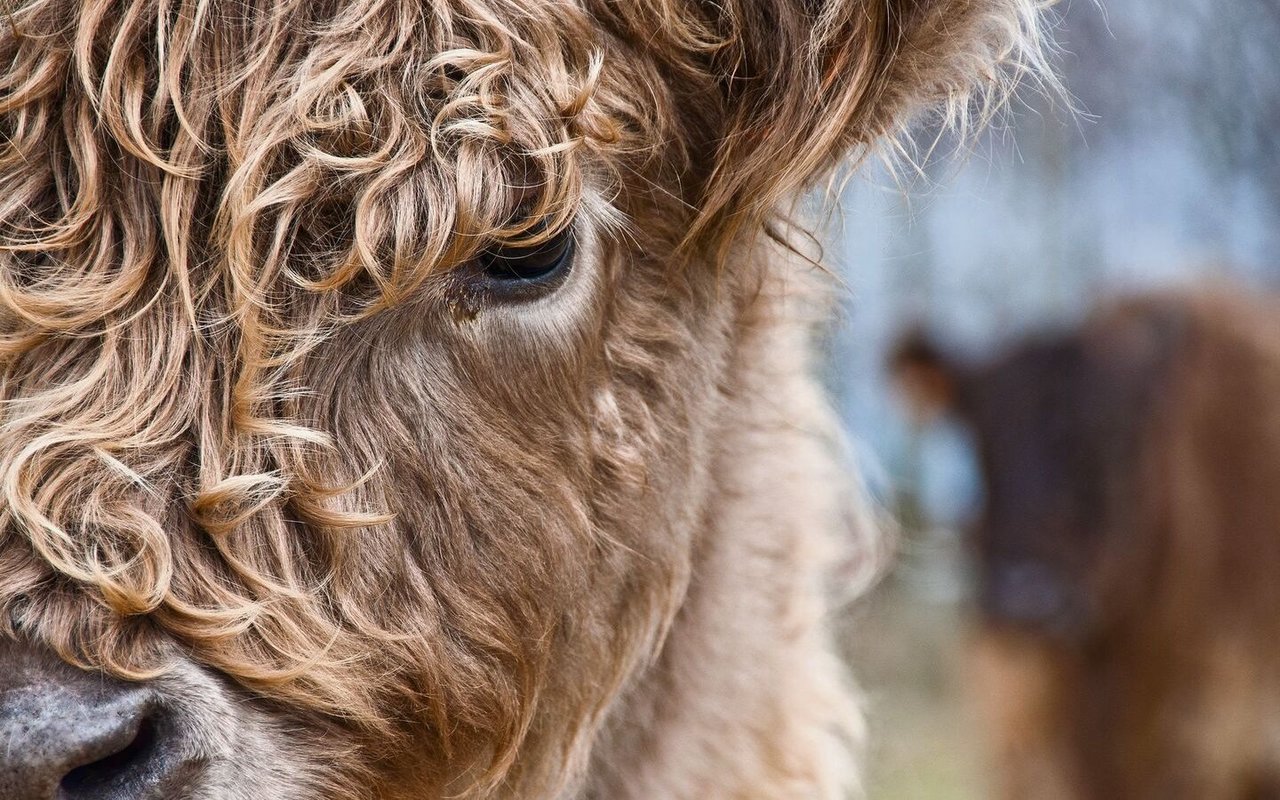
(67, 734)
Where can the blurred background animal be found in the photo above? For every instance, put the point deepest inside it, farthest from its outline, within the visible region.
(1129, 615)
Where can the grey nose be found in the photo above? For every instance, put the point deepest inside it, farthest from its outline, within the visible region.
(67, 734)
(1031, 595)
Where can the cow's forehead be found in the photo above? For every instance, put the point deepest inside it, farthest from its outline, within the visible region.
(257, 155)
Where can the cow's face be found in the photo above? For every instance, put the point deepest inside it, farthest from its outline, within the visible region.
(1061, 424)
(360, 363)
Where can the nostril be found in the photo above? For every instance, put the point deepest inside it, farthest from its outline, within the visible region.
(116, 770)
(71, 734)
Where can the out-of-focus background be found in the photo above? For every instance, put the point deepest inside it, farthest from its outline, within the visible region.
(1168, 172)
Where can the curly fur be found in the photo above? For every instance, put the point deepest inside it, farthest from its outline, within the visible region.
(250, 412)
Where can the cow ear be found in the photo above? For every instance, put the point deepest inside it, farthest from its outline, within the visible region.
(805, 83)
(818, 80)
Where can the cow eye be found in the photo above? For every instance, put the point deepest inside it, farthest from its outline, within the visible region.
(522, 265)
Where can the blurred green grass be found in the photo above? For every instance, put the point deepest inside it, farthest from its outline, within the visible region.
(906, 643)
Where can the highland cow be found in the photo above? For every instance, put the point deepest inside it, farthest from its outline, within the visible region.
(1128, 554)
(412, 399)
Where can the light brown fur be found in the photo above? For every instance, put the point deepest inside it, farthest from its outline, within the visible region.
(256, 428)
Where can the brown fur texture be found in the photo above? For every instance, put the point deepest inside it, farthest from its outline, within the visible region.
(1149, 668)
(259, 427)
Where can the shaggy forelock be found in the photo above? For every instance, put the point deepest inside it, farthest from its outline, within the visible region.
(196, 196)
(209, 209)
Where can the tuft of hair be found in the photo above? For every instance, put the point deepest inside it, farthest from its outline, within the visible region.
(810, 86)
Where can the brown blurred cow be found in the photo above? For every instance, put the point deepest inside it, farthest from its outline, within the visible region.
(1129, 553)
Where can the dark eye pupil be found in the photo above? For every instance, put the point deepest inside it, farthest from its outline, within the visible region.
(536, 262)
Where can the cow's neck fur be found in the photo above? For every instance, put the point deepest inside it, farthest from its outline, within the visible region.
(747, 698)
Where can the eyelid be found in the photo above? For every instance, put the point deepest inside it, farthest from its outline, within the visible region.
(539, 264)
